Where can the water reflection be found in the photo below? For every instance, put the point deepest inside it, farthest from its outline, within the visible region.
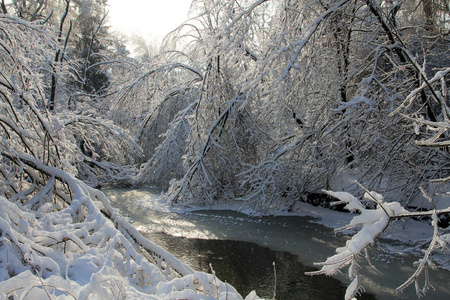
(248, 266)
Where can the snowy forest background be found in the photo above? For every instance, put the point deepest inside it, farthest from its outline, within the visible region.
(265, 102)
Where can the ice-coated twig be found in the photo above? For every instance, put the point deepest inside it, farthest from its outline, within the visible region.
(424, 262)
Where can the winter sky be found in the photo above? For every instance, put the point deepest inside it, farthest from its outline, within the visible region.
(152, 19)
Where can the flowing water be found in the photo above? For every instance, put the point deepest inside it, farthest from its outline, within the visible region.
(242, 249)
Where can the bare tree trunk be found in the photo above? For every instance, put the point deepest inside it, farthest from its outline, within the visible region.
(402, 56)
(4, 10)
(34, 16)
(427, 6)
(51, 102)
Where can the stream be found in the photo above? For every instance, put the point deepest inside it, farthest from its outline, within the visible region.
(242, 251)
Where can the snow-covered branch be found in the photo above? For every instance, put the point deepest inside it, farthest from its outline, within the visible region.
(373, 223)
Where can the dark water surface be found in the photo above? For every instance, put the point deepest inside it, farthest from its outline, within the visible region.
(248, 266)
(242, 249)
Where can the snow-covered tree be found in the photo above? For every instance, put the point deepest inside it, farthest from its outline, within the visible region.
(294, 133)
(59, 236)
(58, 139)
(415, 85)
